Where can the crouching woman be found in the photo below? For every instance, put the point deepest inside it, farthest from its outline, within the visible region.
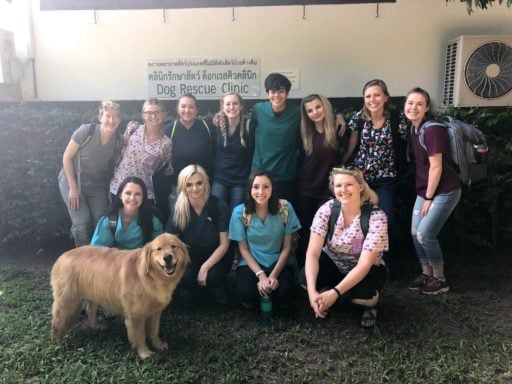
(347, 265)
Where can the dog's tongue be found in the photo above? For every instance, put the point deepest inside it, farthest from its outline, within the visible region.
(169, 271)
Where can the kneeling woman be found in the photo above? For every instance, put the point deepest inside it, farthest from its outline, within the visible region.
(349, 264)
(201, 221)
(263, 228)
(131, 223)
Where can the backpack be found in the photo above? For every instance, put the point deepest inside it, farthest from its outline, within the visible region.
(170, 131)
(283, 214)
(366, 211)
(464, 138)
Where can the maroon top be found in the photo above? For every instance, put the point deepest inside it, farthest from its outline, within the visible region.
(437, 141)
(314, 170)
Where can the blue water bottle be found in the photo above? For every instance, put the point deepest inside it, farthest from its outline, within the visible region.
(266, 309)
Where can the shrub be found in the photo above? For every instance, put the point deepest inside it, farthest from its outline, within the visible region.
(33, 138)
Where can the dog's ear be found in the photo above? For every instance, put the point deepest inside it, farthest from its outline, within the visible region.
(145, 255)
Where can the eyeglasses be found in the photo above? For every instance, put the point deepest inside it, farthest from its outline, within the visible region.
(345, 168)
(152, 113)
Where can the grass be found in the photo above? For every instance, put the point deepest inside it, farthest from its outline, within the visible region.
(461, 337)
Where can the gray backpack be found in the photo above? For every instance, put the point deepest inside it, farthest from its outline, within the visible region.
(465, 139)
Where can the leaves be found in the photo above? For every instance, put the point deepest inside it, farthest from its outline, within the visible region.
(483, 4)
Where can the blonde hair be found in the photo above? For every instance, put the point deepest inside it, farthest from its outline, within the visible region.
(307, 126)
(223, 120)
(109, 105)
(368, 195)
(181, 216)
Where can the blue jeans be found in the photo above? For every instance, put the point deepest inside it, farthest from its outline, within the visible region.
(424, 230)
(385, 190)
(231, 195)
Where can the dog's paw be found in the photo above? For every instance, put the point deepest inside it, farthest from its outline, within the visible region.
(160, 345)
(144, 353)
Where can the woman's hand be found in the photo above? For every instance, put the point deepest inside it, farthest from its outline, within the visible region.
(327, 300)
(425, 208)
(266, 285)
(74, 199)
(315, 301)
(202, 275)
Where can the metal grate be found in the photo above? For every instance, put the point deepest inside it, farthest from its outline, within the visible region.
(449, 74)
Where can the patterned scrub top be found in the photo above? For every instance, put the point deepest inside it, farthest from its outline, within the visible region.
(140, 159)
(376, 154)
(346, 244)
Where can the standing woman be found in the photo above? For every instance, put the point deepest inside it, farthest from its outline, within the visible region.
(201, 221)
(146, 150)
(131, 223)
(87, 164)
(233, 153)
(263, 228)
(438, 192)
(379, 138)
(349, 264)
(320, 152)
(193, 139)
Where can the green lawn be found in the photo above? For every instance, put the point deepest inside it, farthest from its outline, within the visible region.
(464, 336)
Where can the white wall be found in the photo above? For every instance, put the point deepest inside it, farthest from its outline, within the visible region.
(337, 48)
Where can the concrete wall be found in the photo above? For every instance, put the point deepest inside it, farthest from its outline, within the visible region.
(336, 48)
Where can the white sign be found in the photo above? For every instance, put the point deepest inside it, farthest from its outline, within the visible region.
(204, 78)
(293, 75)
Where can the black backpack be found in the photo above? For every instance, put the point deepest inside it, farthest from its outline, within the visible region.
(366, 211)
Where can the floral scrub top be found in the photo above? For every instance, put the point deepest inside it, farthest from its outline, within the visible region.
(346, 244)
(140, 158)
(376, 154)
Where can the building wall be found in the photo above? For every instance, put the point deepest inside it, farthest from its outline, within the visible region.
(336, 48)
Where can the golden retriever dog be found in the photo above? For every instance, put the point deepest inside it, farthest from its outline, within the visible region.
(137, 284)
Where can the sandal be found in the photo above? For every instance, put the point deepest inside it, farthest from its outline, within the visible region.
(369, 318)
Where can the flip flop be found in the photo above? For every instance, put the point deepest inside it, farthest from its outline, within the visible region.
(369, 318)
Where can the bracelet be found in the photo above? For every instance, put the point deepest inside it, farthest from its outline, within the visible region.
(428, 198)
(337, 291)
(259, 273)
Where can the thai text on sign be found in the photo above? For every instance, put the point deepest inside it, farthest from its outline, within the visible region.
(205, 78)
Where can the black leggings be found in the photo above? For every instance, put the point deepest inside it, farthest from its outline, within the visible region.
(217, 275)
(247, 284)
(329, 276)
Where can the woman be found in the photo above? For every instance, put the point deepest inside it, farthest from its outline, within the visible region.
(321, 151)
(201, 221)
(193, 139)
(349, 264)
(380, 134)
(438, 191)
(87, 164)
(263, 228)
(233, 152)
(146, 151)
(131, 223)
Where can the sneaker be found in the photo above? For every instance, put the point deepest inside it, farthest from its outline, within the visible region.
(418, 282)
(434, 286)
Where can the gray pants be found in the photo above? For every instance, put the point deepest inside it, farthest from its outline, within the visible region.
(93, 205)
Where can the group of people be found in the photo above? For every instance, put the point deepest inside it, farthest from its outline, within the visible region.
(229, 188)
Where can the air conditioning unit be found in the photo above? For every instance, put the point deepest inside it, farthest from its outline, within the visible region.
(478, 72)
(8, 60)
